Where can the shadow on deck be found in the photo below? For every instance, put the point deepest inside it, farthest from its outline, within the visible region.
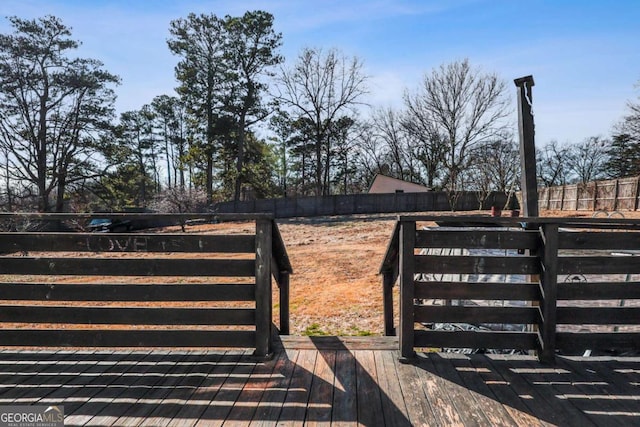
(344, 381)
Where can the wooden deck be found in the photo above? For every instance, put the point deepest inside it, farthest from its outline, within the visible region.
(328, 380)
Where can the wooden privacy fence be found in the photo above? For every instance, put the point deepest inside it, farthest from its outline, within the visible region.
(611, 195)
(577, 290)
(143, 289)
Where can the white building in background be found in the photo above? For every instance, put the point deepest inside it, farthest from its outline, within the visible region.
(385, 184)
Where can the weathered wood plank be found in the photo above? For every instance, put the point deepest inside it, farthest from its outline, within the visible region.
(299, 392)
(126, 266)
(147, 400)
(564, 383)
(126, 292)
(599, 315)
(486, 402)
(482, 291)
(580, 341)
(262, 272)
(393, 406)
(219, 408)
(408, 268)
(542, 403)
(597, 265)
(628, 240)
(272, 401)
(344, 408)
(127, 315)
(206, 392)
(125, 338)
(599, 290)
(247, 402)
(40, 383)
(125, 242)
(368, 393)
(436, 390)
(477, 238)
(549, 284)
(419, 410)
(476, 264)
(467, 407)
(123, 379)
(476, 314)
(321, 394)
(473, 339)
(184, 393)
(500, 387)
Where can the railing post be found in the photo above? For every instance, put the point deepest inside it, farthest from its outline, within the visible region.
(263, 287)
(284, 303)
(407, 273)
(387, 295)
(549, 288)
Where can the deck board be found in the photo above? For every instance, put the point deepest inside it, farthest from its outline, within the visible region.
(329, 382)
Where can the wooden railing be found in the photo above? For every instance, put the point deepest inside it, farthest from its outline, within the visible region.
(141, 289)
(453, 262)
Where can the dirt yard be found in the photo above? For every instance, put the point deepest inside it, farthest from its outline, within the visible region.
(335, 288)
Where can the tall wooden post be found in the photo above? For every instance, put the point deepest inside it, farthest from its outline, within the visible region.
(407, 268)
(263, 288)
(528, 180)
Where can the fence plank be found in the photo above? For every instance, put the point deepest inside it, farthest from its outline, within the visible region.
(628, 240)
(474, 238)
(597, 265)
(473, 339)
(126, 292)
(599, 290)
(126, 266)
(476, 264)
(476, 314)
(482, 291)
(580, 341)
(598, 315)
(125, 338)
(125, 242)
(127, 315)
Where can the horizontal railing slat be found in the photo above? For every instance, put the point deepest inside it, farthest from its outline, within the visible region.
(473, 339)
(477, 238)
(127, 315)
(440, 264)
(125, 338)
(579, 341)
(598, 265)
(476, 315)
(599, 315)
(126, 292)
(482, 291)
(628, 240)
(125, 242)
(598, 290)
(126, 266)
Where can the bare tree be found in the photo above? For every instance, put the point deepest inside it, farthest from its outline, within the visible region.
(552, 164)
(388, 127)
(321, 87)
(455, 109)
(496, 167)
(587, 160)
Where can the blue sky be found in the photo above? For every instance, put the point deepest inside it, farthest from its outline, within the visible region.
(583, 54)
